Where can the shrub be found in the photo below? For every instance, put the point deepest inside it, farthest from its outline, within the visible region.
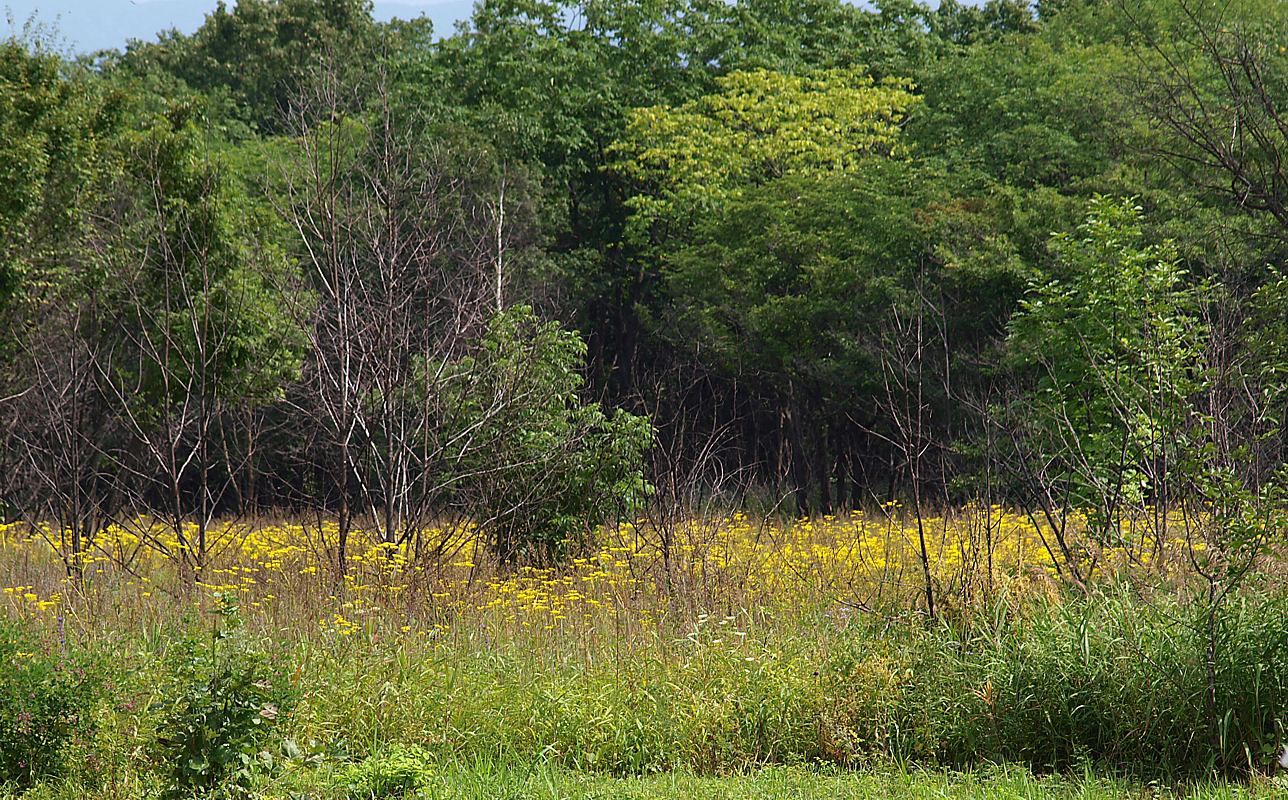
(546, 466)
(222, 720)
(45, 703)
(395, 772)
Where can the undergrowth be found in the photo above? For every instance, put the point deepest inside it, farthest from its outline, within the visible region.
(1114, 685)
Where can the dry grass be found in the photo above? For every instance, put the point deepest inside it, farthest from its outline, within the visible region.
(635, 581)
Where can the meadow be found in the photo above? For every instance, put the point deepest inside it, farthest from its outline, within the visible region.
(729, 656)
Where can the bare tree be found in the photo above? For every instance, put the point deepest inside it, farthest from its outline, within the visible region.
(910, 349)
(59, 424)
(404, 238)
(1219, 86)
(182, 309)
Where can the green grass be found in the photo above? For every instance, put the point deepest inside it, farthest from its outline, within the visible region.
(1108, 690)
(486, 780)
(493, 781)
(1113, 683)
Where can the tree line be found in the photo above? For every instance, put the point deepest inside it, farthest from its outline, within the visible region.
(574, 257)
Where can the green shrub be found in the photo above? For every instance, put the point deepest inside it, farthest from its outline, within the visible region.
(45, 704)
(222, 719)
(395, 772)
(547, 467)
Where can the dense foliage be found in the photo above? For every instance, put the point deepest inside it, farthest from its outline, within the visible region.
(836, 256)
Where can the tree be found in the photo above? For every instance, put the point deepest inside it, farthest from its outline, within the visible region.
(969, 24)
(261, 51)
(1115, 347)
(758, 127)
(202, 325)
(405, 231)
(543, 467)
(607, 58)
(1045, 111)
(751, 199)
(56, 131)
(783, 292)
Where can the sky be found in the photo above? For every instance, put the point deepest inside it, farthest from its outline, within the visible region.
(87, 25)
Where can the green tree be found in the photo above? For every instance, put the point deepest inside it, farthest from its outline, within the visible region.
(548, 467)
(260, 52)
(554, 83)
(1115, 347)
(759, 126)
(961, 23)
(57, 126)
(790, 280)
(59, 129)
(204, 287)
(795, 290)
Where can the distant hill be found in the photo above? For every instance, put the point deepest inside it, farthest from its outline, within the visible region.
(81, 26)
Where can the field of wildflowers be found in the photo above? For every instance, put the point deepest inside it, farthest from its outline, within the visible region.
(714, 646)
(636, 577)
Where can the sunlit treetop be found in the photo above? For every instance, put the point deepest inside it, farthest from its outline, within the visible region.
(759, 126)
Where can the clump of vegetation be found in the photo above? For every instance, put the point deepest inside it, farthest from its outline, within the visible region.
(222, 719)
(396, 771)
(46, 703)
(1114, 682)
(567, 465)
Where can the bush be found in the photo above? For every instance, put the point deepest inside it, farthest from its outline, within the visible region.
(545, 467)
(396, 772)
(222, 720)
(45, 704)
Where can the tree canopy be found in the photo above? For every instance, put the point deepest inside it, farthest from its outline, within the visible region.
(850, 254)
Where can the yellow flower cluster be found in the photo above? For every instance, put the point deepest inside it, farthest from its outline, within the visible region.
(444, 573)
(23, 597)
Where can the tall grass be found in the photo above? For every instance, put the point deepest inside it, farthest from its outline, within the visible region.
(1112, 682)
(760, 656)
